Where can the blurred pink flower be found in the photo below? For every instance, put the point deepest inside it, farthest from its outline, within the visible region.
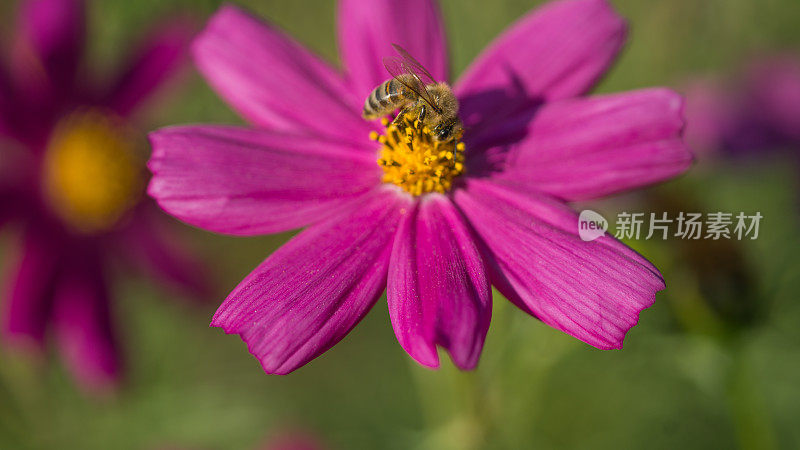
(287, 438)
(533, 143)
(71, 179)
(753, 113)
(293, 440)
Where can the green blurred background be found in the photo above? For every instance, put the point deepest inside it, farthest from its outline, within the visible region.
(689, 376)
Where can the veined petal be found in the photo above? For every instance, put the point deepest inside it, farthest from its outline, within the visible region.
(246, 182)
(310, 293)
(557, 51)
(591, 290)
(413, 320)
(438, 290)
(272, 81)
(82, 322)
(579, 149)
(52, 34)
(160, 56)
(368, 28)
(29, 290)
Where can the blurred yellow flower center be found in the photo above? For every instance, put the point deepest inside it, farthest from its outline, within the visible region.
(92, 174)
(413, 160)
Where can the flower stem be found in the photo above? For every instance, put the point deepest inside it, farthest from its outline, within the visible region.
(749, 414)
(452, 406)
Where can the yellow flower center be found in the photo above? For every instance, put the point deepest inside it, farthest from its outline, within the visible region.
(92, 174)
(412, 159)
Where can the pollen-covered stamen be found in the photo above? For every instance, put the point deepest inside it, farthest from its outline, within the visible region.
(92, 174)
(412, 159)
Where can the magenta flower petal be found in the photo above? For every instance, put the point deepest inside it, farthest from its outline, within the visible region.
(82, 323)
(273, 81)
(413, 319)
(557, 51)
(750, 116)
(246, 182)
(591, 290)
(52, 111)
(310, 293)
(54, 31)
(7, 203)
(710, 114)
(531, 145)
(368, 28)
(587, 148)
(158, 58)
(774, 87)
(28, 291)
(438, 289)
(8, 107)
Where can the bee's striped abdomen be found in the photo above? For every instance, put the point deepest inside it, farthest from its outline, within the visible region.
(384, 99)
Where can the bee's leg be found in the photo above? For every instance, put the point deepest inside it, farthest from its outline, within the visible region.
(400, 117)
(421, 116)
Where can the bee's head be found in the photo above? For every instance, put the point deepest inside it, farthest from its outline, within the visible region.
(447, 130)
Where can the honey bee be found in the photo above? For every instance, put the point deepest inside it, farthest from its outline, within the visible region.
(413, 90)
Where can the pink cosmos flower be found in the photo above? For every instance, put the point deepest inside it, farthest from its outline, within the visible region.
(72, 181)
(754, 113)
(532, 143)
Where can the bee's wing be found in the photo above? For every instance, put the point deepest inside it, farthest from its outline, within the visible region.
(397, 67)
(407, 65)
(414, 66)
